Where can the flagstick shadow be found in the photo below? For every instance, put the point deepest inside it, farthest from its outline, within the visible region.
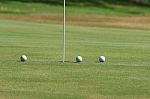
(64, 61)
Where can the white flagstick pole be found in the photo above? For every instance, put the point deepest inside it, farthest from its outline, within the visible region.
(64, 31)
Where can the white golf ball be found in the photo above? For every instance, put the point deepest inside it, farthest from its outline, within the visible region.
(102, 59)
(23, 58)
(79, 59)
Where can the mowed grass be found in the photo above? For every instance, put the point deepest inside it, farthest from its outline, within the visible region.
(124, 75)
(20, 8)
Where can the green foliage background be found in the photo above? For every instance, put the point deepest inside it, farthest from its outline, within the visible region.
(90, 2)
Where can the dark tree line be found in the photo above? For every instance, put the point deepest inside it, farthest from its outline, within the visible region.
(89, 2)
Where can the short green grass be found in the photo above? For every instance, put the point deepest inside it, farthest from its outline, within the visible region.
(124, 75)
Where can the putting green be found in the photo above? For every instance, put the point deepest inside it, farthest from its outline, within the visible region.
(124, 75)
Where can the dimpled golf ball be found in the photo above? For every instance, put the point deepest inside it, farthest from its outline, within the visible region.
(79, 59)
(23, 58)
(102, 59)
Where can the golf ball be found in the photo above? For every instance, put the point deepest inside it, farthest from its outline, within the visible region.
(79, 59)
(23, 58)
(102, 59)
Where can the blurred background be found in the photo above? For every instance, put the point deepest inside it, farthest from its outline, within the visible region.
(104, 13)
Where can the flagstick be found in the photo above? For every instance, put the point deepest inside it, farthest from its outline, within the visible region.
(64, 32)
